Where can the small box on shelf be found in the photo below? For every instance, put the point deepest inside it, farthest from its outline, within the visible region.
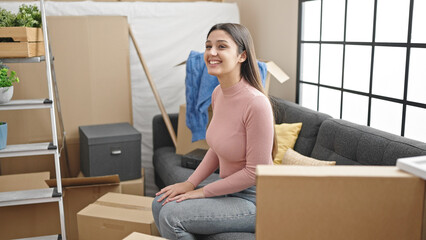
(24, 42)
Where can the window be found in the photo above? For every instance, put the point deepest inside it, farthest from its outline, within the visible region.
(365, 61)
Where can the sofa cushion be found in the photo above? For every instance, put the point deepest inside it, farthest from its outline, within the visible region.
(160, 133)
(292, 157)
(167, 165)
(287, 134)
(350, 144)
(289, 112)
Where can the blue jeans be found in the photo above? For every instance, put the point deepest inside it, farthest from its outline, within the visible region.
(230, 213)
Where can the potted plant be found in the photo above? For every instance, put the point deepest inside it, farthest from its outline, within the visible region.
(3, 135)
(20, 33)
(6, 80)
(28, 16)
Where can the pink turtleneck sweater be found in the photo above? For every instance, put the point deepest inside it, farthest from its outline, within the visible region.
(240, 136)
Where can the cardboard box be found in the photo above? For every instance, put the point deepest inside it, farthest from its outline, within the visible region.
(338, 202)
(141, 236)
(91, 61)
(134, 187)
(27, 220)
(184, 136)
(114, 216)
(80, 192)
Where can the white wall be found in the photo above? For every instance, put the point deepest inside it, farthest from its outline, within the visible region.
(273, 25)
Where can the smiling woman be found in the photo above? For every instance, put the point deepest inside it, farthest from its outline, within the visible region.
(240, 135)
(222, 57)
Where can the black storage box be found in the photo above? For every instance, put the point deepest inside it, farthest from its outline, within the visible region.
(110, 149)
(193, 159)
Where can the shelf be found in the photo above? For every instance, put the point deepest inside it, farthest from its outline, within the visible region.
(51, 237)
(29, 197)
(32, 49)
(31, 149)
(23, 60)
(26, 104)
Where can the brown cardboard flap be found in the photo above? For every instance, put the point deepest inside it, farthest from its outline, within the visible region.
(121, 216)
(26, 181)
(68, 182)
(277, 72)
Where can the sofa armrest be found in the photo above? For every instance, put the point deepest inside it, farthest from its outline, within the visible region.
(160, 134)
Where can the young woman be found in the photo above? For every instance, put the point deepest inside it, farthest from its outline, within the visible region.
(240, 136)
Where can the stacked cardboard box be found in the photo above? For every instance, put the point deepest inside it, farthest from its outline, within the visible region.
(135, 187)
(115, 216)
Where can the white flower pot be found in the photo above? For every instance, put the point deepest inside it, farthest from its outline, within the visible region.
(6, 94)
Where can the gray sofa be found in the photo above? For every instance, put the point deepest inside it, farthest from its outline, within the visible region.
(321, 137)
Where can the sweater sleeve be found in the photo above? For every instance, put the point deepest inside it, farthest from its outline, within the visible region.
(209, 164)
(259, 141)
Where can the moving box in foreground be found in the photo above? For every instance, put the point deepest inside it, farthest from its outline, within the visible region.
(115, 216)
(338, 202)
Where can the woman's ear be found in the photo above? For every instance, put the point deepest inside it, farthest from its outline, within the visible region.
(243, 57)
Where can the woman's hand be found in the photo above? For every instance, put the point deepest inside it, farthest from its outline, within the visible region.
(189, 195)
(174, 190)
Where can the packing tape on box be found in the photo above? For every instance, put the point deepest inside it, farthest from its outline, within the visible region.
(125, 206)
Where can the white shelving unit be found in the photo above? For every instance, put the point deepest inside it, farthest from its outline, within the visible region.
(38, 195)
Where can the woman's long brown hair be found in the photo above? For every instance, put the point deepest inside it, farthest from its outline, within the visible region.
(249, 68)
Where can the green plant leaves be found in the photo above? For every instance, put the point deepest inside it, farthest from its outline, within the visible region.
(6, 78)
(28, 16)
(7, 19)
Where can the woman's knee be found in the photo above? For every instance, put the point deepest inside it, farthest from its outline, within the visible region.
(156, 206)
(170, 214)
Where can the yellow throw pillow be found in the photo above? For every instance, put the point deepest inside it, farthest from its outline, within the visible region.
(287, 134)
(292, 157)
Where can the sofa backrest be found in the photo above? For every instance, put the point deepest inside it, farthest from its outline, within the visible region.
(349, 143)
(289, 112)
